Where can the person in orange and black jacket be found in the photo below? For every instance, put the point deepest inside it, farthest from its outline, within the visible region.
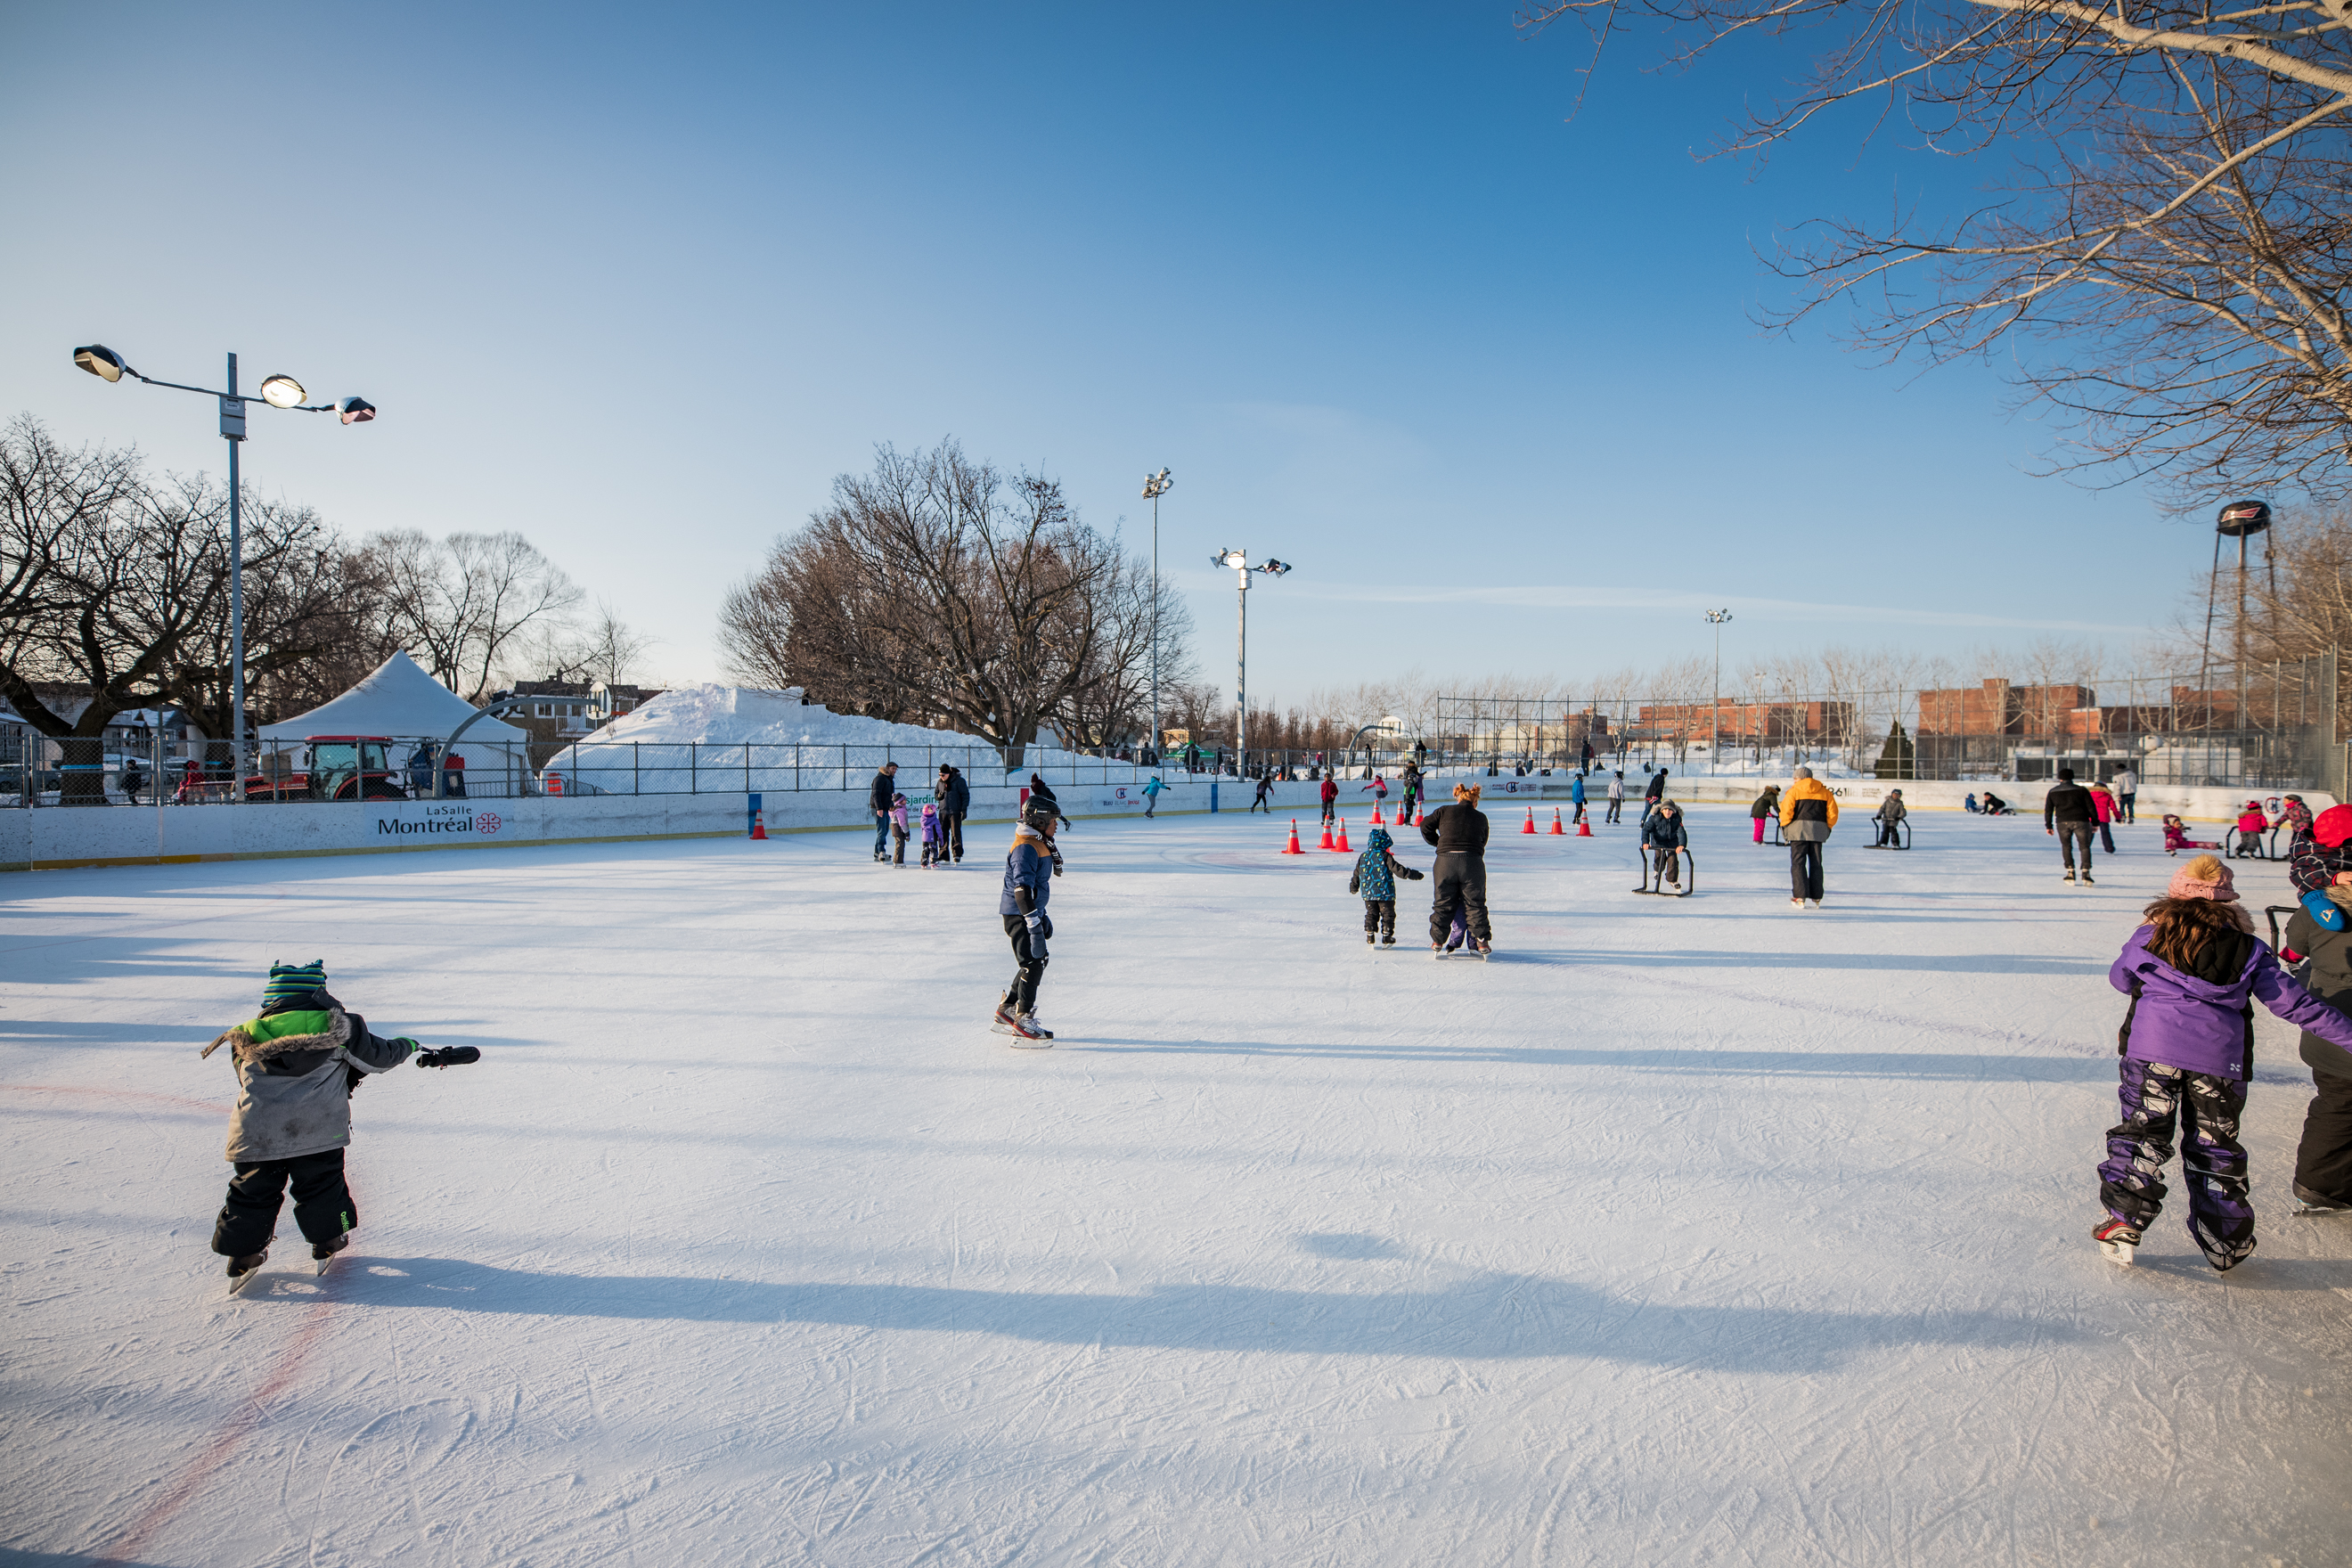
(1807, 812)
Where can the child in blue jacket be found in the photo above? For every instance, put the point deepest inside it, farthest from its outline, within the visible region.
(1375, 878)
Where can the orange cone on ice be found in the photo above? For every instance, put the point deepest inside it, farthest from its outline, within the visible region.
(758, 825)
(1557, 830)
(1342, 845)
(1327, 843)
(1293, 849)
(1531, 827)
(1376, 815)
(1584, 827)
(1416, 816)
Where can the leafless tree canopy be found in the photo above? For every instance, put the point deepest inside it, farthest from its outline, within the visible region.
(2171, 254)
(937, 589)
(465, 604)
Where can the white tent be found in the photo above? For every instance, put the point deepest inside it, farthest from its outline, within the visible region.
(397, 700)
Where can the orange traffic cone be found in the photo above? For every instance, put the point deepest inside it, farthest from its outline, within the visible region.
(1327, 843)
(1376, 815)
(758, 825)
(1416, 816)
(1584, 829)
(1557, 830)
(1293, 849)
(1531, 827)
(1342, 845)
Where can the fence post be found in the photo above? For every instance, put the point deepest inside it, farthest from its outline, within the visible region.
(635, 786)
(694, 767)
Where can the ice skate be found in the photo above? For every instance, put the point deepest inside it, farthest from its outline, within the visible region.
(2068, 879)
(1388, 940)
(1796, 903)
(1003, 1023)
(2118, 1239)
(1370, 939)
(241, 1270)
(1029, 1035)
(323, 1253)
(2086, 882)
(1437, 950)
(2307, 1201)
(2222, 1254)
(1812, 903)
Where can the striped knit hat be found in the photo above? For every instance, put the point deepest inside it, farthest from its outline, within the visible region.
(292, 981)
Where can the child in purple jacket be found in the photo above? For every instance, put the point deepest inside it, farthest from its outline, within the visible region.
(2193, 972)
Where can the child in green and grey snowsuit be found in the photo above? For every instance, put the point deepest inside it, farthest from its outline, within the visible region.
(1375, 878)
(297, 1066)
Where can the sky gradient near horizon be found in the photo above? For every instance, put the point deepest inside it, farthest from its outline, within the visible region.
(640, 283)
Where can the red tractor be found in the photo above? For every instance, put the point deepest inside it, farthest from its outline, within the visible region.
(343, 767)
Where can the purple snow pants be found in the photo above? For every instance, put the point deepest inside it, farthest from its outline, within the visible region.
(2204, 1107)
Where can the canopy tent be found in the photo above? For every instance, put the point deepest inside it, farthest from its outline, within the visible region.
(400, 700)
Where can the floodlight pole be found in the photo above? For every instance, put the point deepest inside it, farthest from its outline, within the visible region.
(1714, 709)
(1239, 560)
(1154, 487)
(231, 412)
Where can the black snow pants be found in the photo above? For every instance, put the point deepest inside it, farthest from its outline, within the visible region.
(1461, 880)
(2070, 834)
(1805, 869)
(323, 1206)
(1379, 916)
(1021, 995)
(2323, 1162)
(952, 834)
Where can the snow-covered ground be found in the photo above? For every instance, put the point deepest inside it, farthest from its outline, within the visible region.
(1696, 1232)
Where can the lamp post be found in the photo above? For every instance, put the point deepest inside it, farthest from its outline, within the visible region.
(1715, 707)
(1154, 487)
(279, 392)
(1239, 560)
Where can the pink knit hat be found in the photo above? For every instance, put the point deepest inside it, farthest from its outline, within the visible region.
(2203, 877)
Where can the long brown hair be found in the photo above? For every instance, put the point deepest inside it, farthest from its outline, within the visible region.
(2184, 926)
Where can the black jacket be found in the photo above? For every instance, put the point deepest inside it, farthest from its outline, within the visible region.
(1456, 829)
(1663, 830)
(2067, 803)
(955, 795)
(878, 794)
(1657, 788)
(2329, 978)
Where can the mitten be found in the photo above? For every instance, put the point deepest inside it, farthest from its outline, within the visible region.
(2324, 909)
(449, 1056)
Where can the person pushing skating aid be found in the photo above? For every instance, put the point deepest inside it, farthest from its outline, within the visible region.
(1375, 879)
(1028, 888)
(298, 1064)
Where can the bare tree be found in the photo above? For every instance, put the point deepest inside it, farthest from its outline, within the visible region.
(1108, 706)
(2173, 249)
(463, 602)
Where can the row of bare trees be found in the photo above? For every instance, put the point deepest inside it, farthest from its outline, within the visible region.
(114, 595)
(939, 589)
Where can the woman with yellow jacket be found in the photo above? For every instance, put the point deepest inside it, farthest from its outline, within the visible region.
(1807, 812)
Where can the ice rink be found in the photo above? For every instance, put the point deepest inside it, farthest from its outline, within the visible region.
(1692, 1231)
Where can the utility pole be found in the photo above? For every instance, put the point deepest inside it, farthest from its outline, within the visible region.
(1239, 560)
(1715, 707)
(1154, 487)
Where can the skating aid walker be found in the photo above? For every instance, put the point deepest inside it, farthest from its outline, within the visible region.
(1689, 872)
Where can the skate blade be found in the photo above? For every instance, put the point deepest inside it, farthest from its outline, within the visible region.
(236, 1286)
(2120, 1253)
(1023, 1042)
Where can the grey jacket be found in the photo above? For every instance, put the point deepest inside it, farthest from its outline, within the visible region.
(294, 1093)
(2329, 978)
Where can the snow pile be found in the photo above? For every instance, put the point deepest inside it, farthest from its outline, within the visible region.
(709, 738)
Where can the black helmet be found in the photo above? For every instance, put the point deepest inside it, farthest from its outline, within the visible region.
(1039, 814)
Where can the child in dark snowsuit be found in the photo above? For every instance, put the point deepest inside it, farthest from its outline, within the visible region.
(297, 1066)
(1664, 835)
(2193, 972)
(935, 835)
(1375, 878)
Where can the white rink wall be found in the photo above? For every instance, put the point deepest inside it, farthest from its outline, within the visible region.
(53, 838)
(50, 839)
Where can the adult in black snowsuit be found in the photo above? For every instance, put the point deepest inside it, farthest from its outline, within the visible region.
(954, 797)
(2323, 1159)
(1458, 833)
(877, 800)
(2068, 812)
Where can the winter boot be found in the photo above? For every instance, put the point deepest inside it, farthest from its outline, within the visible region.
(2118, 1239)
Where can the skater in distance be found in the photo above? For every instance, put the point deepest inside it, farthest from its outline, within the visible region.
(1807, 812)
(2193, 971)
(1029, 871)
(2068, 812)
(298, 1064)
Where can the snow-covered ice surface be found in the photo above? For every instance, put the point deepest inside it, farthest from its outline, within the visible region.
(1697, 1232)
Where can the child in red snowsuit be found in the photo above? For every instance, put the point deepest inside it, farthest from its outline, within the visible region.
(2176, 837)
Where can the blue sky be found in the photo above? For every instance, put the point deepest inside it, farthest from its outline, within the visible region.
(640, 282)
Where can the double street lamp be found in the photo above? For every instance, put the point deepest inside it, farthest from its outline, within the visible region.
(279, 392)
(1715, 618)
(1239, 560)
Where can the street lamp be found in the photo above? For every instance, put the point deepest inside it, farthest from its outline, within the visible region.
(1239, 560)
(1154, 487)
(279, 392)
(1715, 712)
